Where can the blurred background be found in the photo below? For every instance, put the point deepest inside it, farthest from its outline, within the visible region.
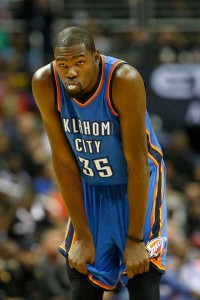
(161, 38)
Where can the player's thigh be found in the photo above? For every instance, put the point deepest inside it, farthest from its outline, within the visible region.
(81, 289)
(145, 286)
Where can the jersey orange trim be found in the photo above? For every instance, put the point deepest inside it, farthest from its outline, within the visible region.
(97, 90)
(57, 86)
(162, 182)
(158, 260)
(157, 263)
(108, 87)
(67, 228)
(152, 145)
(161, 220)
(73, 242)
(155, 191)
(107, 287)
(153, 159)
(160, 169)
(62, 247)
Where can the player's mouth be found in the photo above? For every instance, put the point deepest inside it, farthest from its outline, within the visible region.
(72, 85)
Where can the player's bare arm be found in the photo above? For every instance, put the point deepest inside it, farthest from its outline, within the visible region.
(66, 169)
(129, 98)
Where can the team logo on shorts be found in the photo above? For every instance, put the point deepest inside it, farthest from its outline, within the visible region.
(156, 246)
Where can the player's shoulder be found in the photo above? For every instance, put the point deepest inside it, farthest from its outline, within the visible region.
(43, 87)
(129, 86)
(42, 75)
(127, 78)
(127, 72)
(42, 83)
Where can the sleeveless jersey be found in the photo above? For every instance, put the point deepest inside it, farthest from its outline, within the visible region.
(94, 133)
(93, 130)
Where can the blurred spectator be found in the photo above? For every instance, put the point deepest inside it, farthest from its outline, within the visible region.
(170, 44)
(51, 269)
(196, 172)
(24, 224)
(7, 213)
(32, 212)
(176, 206)
(192, 193)
(17, 269)
(140, 47)
(181, 155)
(190, 276)
(5, 150)
(179, 252)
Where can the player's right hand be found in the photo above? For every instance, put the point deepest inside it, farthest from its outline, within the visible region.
(136, 258)
(82, 252)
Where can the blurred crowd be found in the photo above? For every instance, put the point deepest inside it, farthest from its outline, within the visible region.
(33, 215)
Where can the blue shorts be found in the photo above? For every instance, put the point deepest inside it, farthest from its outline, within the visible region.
(107, 213)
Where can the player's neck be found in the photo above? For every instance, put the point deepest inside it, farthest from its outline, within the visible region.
(91, 93)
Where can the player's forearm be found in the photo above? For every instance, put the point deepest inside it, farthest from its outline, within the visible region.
(138, 182)
(71, 190)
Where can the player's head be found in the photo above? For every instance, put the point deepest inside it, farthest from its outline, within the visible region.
(73, 36)
(77, 60)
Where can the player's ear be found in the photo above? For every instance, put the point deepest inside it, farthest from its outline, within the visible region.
(96, 56)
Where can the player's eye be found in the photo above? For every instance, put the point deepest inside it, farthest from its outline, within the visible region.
(62, 65)
(81, 62)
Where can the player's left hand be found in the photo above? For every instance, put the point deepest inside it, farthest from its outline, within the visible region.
(136, 258)
(81, 253)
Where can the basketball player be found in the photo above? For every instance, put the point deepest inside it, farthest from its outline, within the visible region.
(109, 167)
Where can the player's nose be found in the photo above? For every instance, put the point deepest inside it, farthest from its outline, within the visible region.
(71, 73)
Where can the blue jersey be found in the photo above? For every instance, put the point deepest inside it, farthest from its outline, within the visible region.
(93, 130)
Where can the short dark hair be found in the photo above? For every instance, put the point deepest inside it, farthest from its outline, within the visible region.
(74, 36)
